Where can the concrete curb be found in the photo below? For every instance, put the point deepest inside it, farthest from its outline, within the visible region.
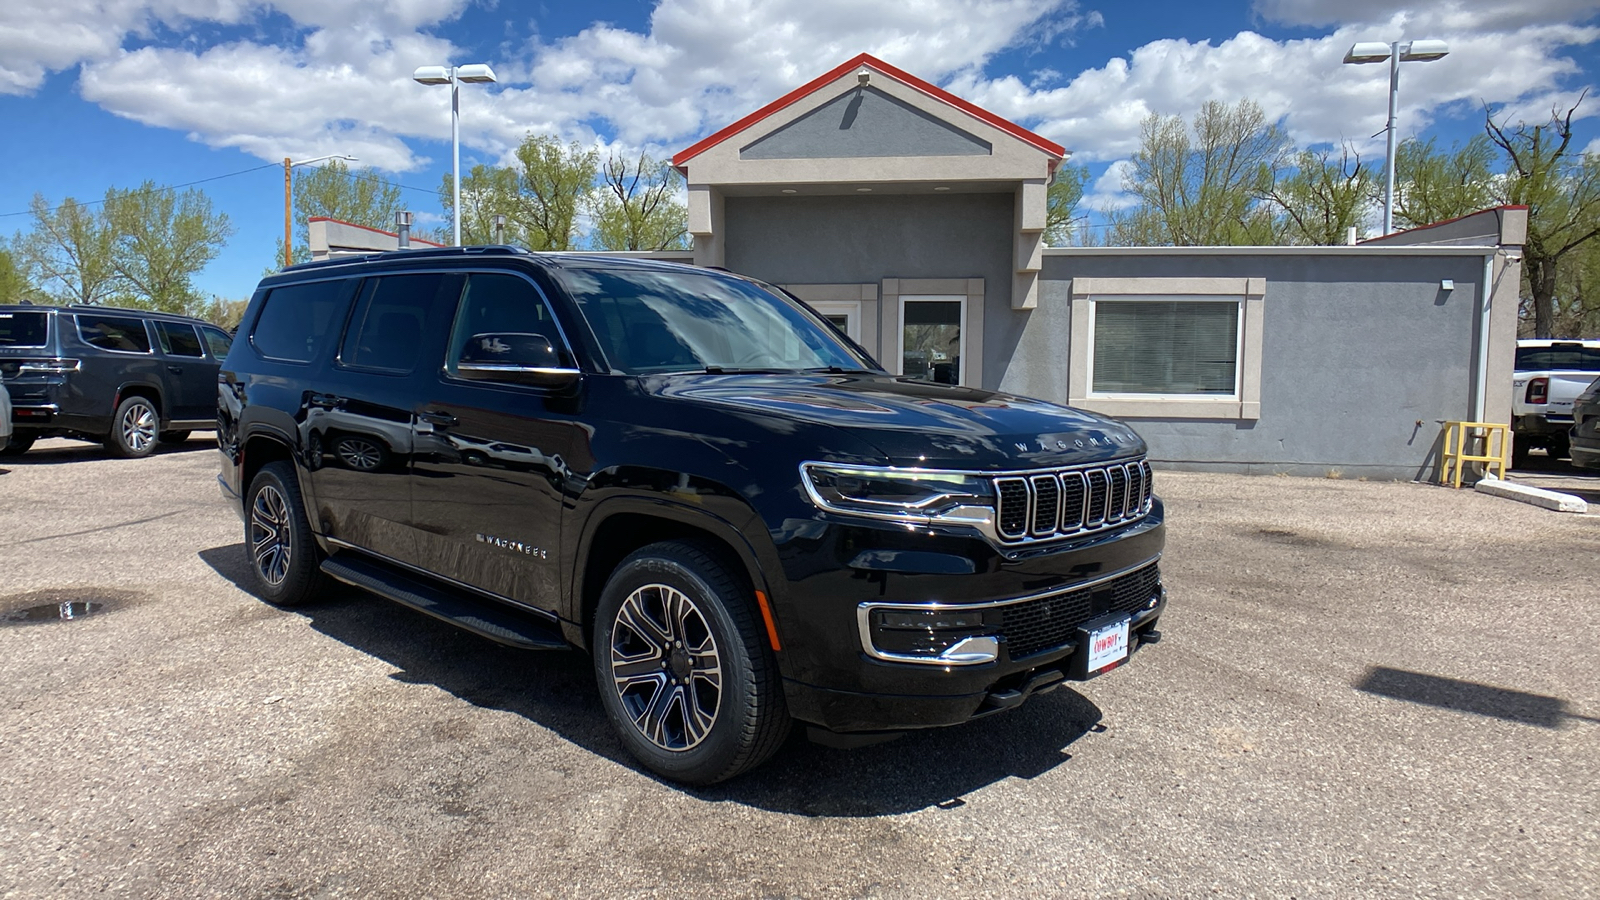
(1555, 500)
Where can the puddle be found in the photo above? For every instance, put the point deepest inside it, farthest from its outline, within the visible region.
(60, 606)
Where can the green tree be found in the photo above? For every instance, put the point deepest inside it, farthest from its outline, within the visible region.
(541, 196)
(1061, 203)
(360, 197)
(1203, 185)
(68, 253)
(637, 207)
(1561, 188)
(1322, 198)
(15, 285)
(161, 238)
(1432, 185)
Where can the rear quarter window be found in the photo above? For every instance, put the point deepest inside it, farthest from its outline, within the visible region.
(24, 329)
(297, 321)
(122, 334)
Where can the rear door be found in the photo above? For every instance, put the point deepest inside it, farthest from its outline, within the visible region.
(490, 470)
(358, 421)
(191, 374)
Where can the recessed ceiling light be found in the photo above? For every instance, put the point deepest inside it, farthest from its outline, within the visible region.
(941, 188)
(863, 190)
(788, 190)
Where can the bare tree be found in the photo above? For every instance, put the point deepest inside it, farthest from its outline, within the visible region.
(638, 207)
(1323, 197)
(1434, 185)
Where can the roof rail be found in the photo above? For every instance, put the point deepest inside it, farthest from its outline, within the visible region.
(411, 253)
(96, 307)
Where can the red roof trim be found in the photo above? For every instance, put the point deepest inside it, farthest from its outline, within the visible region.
(415, 240)
(1469, 215)
(867, 59)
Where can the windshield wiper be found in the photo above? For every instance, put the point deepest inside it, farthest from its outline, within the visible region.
(839, 370)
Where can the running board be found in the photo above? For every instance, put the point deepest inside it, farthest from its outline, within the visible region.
(485, 618)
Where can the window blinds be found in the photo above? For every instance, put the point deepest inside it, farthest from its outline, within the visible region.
(1165, 346)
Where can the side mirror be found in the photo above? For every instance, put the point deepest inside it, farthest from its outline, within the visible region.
(514, 358)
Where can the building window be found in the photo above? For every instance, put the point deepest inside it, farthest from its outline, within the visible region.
(930, 338)
(1180, 346)
(1167, 348)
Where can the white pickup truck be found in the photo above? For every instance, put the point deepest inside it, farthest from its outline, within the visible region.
(1548, 376)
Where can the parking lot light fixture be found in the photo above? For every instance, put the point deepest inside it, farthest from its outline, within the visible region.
(288, 194)
(1394, 54)
(477, 73)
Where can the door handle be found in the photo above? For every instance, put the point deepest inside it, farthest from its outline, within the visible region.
(438, 418)
(176, 370)
(324, 401)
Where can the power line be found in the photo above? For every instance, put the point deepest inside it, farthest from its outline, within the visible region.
(170, 187)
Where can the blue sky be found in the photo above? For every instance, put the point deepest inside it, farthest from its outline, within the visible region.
(99, 93)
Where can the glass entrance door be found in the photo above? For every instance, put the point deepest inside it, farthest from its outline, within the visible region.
(930, 338)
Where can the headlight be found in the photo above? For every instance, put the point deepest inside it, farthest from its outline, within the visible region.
(903, 495)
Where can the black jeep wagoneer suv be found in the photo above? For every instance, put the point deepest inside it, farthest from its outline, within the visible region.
(742, 517)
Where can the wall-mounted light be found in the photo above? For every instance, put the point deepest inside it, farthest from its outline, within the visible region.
(864, 76)
(863, 190)
(788, 190)
(1447, 284)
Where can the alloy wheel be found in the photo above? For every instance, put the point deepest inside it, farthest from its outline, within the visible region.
(665, 667)
(361, 455)
(269, 535)
(138, 427)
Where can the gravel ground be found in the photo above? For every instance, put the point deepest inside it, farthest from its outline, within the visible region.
(1365, 690)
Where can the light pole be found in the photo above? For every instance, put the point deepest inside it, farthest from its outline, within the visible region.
(454, 76)
(288, 194)
(1394, 54)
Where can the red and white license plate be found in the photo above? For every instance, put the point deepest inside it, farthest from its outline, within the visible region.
(1108, 645)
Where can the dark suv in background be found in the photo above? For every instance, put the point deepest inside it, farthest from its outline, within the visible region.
(694, 477)
(123, 377)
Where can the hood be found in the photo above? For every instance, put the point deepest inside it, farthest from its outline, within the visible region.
(917, 423)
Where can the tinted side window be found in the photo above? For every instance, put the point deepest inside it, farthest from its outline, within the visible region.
(122, 333)
(24, 329)
(502, 304)
(385, 332)
(218, 341)
(297, 320)
(178, 339)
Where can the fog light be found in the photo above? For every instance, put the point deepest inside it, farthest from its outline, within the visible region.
(944, 636)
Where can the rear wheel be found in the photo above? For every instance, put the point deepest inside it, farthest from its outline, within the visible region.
(18, 445)
(285, 563)
(1559, 447)
(1519, 452)
(133, 428)
(684, 671)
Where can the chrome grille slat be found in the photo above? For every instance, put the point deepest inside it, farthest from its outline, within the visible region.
(1059, 503)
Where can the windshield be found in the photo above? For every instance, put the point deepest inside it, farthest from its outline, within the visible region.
(23, 329)
(651, 321)
(1568, 357)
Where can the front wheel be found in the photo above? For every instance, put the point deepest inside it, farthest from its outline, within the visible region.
(684, 671)
(18, 445)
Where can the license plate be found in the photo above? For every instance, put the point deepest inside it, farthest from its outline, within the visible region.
(1108, 644)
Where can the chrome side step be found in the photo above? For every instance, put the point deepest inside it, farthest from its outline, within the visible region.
(485, 618)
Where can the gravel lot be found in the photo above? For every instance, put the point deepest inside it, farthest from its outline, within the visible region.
(1365, 690)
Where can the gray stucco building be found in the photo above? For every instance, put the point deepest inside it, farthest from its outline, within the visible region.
(915, 220)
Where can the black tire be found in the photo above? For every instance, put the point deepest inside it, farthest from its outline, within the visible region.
(1519, 453)
(1559, 447)
(174, 437)
(18, 445)
(134, 428)
(749, 719)
(283, 557)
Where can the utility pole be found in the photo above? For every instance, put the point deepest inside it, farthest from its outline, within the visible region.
(288, 232)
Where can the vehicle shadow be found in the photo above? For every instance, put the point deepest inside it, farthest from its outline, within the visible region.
(68, 450)
(557, 691)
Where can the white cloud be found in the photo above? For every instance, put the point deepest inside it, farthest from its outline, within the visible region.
(1453, 15)
(1106, 194)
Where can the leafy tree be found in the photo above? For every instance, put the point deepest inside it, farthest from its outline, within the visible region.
(1061, 202)
(69, 251)
(1203, 185)
(160, 239)
(1561, 188)
(15, 285)
(638, 207)
(541, 196)
(221, 312)
(360, 197)
(1322, 197)
(1432, 185)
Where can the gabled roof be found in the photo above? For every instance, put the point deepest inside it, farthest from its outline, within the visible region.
(878, 65)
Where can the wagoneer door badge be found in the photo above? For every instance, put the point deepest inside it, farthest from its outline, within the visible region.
(513, 546)
(1097, 440)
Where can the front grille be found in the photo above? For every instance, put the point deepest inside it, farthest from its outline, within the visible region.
(1065, 502)
(1050, 622)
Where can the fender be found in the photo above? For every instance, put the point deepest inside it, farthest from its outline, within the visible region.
(161, 396)
(263, 426)
(737, 535)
